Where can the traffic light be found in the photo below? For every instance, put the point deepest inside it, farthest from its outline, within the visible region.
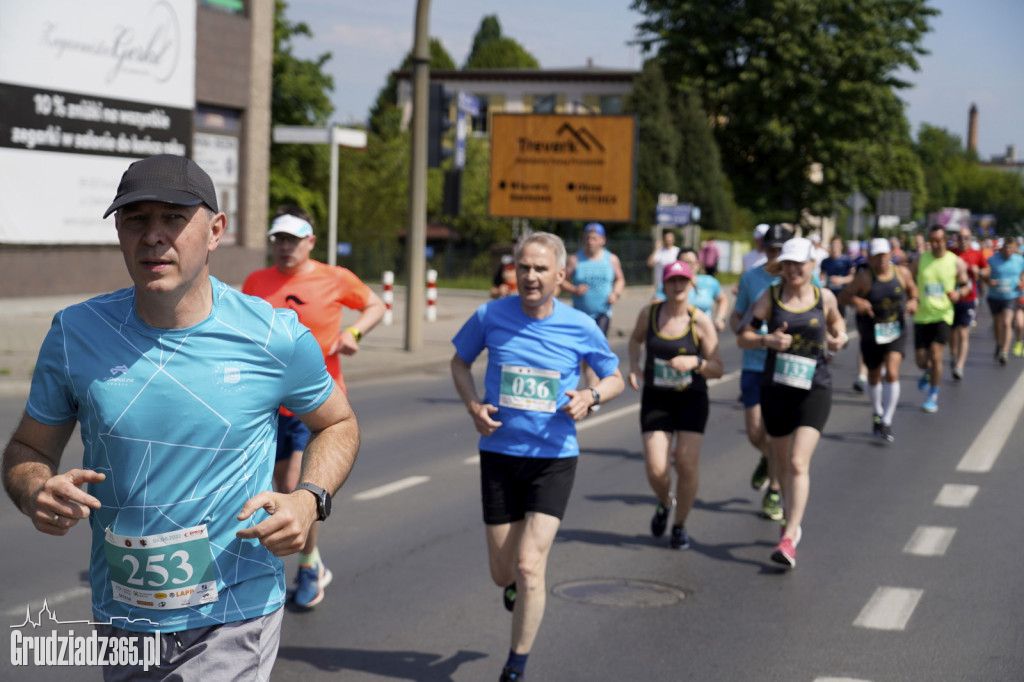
(451, 204)
(438, 123)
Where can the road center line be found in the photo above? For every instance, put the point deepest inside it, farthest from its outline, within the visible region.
(889, 608)
(929, 541)
(985, 449)
(390, 488)
(956, 495)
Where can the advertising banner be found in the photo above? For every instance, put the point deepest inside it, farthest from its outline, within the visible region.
(564, 167)
(86, 87)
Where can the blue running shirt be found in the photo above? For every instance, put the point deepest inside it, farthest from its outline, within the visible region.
(541, 359)
(1005, 276)
(704, 294)
(183, 422)
(599, 276)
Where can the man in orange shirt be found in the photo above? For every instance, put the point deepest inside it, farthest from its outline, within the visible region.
(317, 292)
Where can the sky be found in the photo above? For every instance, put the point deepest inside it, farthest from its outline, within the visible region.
(977, 52)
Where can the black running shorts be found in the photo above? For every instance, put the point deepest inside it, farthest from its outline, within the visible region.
(512, 486)
(672, 411)
(784, 408)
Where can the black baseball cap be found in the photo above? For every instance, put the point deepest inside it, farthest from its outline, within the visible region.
(165, 178)
(776, 236)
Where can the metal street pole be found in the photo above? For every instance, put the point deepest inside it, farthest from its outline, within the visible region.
(334, 135)
(416, 240)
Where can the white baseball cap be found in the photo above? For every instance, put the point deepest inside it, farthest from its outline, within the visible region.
(289, 224)
(797, 250)
(760, 231)
(879, 245)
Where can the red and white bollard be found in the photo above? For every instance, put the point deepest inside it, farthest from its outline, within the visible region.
(389, 296)
(431, 295)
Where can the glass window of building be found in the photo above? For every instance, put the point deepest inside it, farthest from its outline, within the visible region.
(544, 104)
(611, 104)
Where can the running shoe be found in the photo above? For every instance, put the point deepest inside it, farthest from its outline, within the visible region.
(511, 675)
(858, 385)
(958, 373)
(760, 477)
(660, 520)
(679, 539)
(1002, 358)
(887, 433)
(924, 382)
(508, 595)
(876, 425)
(1018, 349)
(785, 553)
(310, 584)
(771, 505)
(931, 405)
(799, 533)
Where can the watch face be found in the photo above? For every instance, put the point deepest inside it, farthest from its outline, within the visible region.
(327, 504)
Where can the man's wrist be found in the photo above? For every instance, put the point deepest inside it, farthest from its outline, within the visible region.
(356, 334)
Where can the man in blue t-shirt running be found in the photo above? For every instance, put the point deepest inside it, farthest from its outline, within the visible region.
(527, 423)
(176, 383)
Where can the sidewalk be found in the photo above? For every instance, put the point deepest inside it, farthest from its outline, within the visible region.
(25, 321)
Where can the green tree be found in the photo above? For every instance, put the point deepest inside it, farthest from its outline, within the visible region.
(503, 53)
(994, 191)
(701, 180)
(790, 83)
(299, 173)
(658, 141)
(385, 116)
(490, 30)
(944, 162)
(492, 50)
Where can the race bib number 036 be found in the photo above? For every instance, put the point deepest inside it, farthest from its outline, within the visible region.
(528, 388)
(165, 571)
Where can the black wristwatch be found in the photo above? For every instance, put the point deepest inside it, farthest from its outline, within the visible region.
(597, 399)
(323, 499)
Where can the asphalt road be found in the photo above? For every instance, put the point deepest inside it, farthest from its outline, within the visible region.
(908, 570)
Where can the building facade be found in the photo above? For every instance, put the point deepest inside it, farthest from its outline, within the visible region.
(52, 238)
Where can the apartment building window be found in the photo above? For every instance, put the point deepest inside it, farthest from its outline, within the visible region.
(544, 104)
(611, 104)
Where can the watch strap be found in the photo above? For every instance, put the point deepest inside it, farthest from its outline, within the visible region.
(322, 499)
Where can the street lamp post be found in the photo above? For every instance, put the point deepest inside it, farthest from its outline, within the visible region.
(416, 242)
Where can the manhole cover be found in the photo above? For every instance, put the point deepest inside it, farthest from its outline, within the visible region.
(639, 593)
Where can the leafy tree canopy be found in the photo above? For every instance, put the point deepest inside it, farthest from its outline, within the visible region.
(298, 173)
(385, 117)
(789, 83)
(492, 50)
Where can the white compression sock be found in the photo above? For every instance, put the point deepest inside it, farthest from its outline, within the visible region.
(890, 398)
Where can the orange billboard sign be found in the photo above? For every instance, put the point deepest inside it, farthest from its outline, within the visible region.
(563, 167)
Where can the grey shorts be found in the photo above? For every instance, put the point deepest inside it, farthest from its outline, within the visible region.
(242, 650)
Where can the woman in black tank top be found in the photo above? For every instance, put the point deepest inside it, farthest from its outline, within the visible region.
(680, 346)
(796, 396)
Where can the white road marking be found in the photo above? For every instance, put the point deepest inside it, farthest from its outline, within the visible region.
(475, 459)
(390, 488)
(929, 541)
(985, 449)
(51, 600)
(889, 608)
(956, 495)
(838, 679)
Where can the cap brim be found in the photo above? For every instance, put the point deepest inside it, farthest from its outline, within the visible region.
(164, 196)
